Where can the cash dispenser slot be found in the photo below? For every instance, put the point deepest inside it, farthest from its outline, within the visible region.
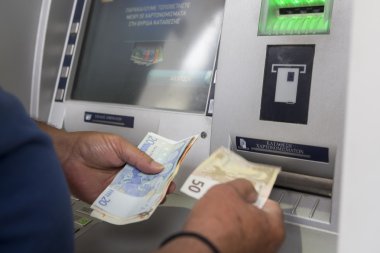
(296, 174)
(302, 10)
(304, 168)
(304, 183)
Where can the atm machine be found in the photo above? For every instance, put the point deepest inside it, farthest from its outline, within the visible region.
(266, 79)
(287, 105)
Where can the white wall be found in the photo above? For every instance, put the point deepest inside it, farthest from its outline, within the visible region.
(360, 207)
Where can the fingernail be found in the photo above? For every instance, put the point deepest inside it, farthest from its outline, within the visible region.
(252, 197)
(157, 166)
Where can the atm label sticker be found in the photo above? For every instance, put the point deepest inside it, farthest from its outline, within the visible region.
(109, 119)
(305, 152)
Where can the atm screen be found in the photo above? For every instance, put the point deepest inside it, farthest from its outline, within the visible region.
(153, 54)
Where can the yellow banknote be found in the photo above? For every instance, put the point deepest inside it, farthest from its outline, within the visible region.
(224, 165)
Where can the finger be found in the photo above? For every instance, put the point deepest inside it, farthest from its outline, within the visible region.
(163, 200)
(272, 208)
(245, 189)
(135, 157)
(276, 220)
(171, 188)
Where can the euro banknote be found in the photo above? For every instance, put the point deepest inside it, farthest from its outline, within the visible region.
(224, 165)
(133, 196)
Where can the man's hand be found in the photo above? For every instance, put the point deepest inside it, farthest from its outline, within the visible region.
(225, 215)
(91, 160)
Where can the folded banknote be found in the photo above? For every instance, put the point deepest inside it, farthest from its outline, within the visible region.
(133, 196)
(224, 165)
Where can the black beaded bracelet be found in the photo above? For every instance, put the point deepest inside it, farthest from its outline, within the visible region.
(194, 235)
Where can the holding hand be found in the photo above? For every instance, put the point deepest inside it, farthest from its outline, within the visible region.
(91, 160)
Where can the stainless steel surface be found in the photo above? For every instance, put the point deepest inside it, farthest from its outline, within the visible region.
(55, 38)
(239, 89)
(169, 123)
(307, 215)
(173, 125)
(33, 35)
(304, 208)
(302, 239)
(142, 237)
(305, 183)
(236, 113)
(19, 22)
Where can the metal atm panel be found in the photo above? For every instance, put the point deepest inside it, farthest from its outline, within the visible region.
(264, 116)
(306, 143)
(130, 67)
(31, 49)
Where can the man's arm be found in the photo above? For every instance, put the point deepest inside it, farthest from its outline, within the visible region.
(35, 213)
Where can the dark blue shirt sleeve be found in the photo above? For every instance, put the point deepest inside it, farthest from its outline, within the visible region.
(35, 210)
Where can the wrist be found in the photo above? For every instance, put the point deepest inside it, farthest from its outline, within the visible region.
(61, 139)
(186, 241)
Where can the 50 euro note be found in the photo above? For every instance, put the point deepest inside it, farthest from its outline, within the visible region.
(133, 196)
(224, 165)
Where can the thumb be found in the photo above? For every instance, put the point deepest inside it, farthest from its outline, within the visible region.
(245, 189)
(130, 154)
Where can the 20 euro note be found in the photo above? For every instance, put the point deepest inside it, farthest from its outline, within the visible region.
(133, 196)
(224, 165)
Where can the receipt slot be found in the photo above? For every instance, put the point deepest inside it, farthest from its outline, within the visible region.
(287, 82)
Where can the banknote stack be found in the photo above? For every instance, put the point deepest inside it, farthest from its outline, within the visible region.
(133, 196)
(224, 165)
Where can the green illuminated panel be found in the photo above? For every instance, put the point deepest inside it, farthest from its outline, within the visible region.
(293, 17)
